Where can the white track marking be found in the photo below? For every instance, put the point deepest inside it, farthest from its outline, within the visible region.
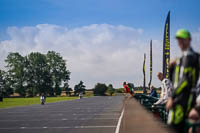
(22, 128)
(95, 126)
(119, 122)
(54, 111)
(98, 114)
(63, 119)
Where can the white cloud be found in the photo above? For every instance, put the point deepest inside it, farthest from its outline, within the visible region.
(95, 53)
(196, 40)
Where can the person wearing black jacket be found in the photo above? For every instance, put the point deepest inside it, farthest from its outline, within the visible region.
(184, 78)
(153, 92)
(194, 114)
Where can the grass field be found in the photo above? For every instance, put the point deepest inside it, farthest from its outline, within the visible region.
(13, 102)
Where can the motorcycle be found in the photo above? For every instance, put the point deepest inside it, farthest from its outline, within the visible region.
(80, 95)
(42, 100)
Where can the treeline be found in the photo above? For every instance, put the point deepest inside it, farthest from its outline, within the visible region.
(138, 88)
(34, 74)
(102, 89)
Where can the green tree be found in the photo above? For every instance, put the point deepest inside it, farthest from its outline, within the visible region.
(100, 89)
(5, 84)
(16, 65)
(58, 70)
(36, 73)
(110, 90)
(79, 88)
(67, 89)
(39, 79)
(1, 83)
(120, 90)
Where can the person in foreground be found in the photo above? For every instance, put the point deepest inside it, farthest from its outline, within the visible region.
(184, 78)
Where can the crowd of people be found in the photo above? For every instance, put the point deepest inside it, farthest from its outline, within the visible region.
(180, 93)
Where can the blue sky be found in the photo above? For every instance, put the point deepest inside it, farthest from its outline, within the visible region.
(146, 14)
(98, 34)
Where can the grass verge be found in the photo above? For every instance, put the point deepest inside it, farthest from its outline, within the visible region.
(14, 102)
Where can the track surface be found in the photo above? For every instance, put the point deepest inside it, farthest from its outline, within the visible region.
(87, 115)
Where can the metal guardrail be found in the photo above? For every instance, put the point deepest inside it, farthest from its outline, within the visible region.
(160, 111)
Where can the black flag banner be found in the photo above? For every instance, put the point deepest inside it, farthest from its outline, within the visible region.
(166, 47)
(151, 61)
(144, 86)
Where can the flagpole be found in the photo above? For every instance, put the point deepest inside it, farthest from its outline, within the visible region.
(144, 84)
(166, 47)
(151, 62)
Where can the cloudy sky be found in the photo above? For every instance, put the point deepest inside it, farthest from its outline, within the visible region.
(102, 41)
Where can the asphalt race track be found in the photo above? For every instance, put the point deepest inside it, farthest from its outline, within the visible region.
(87, 115)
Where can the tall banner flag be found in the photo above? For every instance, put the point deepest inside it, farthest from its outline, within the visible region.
(144, 86)
(166, 47)
(151, 61)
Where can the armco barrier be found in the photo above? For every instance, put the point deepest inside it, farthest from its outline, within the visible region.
(159, 111)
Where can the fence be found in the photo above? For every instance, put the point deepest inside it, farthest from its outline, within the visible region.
(160, 112)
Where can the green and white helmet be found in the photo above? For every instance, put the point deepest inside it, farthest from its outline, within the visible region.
(183, 34)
